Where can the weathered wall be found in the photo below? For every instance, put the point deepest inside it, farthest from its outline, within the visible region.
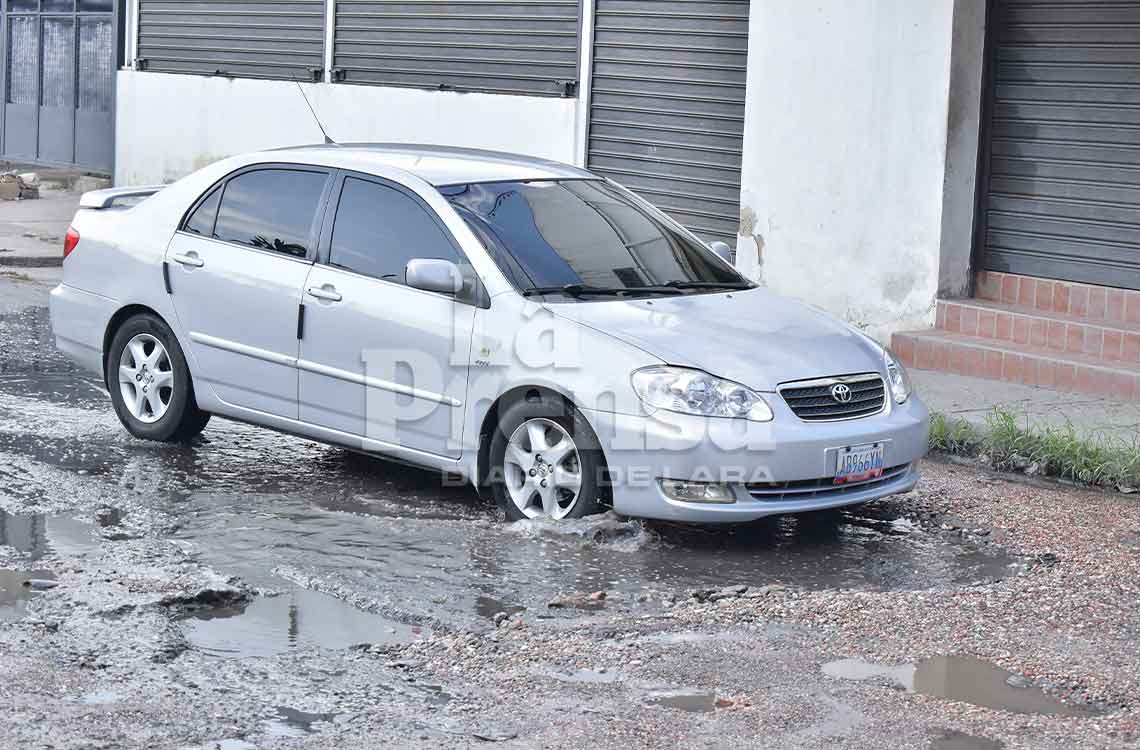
(169, 125)
(963, 129)
(844, 155)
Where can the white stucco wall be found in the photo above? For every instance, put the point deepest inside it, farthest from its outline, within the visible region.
(844, 155)
(169, 125)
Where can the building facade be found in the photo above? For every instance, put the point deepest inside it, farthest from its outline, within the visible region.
(869, 156)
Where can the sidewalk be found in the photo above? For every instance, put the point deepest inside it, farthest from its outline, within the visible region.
(973, 399)
(31, 231)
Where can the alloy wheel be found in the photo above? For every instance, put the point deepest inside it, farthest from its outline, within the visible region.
(542, 469)
(146, 378)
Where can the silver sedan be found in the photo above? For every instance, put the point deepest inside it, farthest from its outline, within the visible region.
(526, 325)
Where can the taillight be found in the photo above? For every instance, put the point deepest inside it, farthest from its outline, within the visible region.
(70, 240)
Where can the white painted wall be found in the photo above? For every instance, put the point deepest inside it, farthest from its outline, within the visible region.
(844, 155)
(169, 125)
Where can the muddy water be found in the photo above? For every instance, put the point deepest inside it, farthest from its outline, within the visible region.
(361, 549)
(959, 678)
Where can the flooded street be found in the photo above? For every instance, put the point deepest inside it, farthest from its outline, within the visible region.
(253, 589)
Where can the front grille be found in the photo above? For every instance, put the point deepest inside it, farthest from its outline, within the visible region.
(825, 487)
(811, 400)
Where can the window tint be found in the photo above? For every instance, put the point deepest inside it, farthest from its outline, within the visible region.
(202, 220)
(272, 209)
(379, 229)
(551, 233)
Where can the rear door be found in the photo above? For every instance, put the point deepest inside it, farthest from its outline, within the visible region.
(380, 359)
(237, 266)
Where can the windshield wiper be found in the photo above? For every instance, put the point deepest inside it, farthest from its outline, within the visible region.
(579, 290)
(708, 284)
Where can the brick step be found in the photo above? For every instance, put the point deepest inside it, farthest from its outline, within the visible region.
(998, 321)
(1079, 301)
(1017, 363)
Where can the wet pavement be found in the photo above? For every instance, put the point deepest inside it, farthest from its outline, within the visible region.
(337, 552)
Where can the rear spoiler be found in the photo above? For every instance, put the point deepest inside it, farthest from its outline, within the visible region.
(98, 199)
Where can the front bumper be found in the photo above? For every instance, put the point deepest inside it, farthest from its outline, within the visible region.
(640, 450)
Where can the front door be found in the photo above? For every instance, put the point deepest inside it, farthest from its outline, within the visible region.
(379, 359)
(237, 268)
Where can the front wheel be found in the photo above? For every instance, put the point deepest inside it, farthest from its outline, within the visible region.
(150, 382)
(546, 462)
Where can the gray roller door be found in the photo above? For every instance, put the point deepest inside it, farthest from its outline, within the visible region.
(283, 39)
(667, 106)
(1061, 161)
(517, 47)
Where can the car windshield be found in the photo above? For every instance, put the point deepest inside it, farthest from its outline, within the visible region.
(585, 238)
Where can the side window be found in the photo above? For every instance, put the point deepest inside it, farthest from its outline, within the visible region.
(271, 209)
(202, 220)
(378, 229)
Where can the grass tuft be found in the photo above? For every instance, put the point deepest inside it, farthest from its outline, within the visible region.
(1010, 443)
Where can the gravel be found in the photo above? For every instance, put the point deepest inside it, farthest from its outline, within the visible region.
(101, 659)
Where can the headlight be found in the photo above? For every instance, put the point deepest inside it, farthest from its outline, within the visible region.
(897, 378)
(689, 391)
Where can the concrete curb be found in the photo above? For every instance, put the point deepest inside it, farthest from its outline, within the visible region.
(31, 261)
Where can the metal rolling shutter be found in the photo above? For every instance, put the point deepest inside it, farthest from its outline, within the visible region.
(282, 39)
(514, 47)
(667, 106)
(1061, 166)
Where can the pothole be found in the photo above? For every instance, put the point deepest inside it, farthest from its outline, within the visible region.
(959, 678)
(268, 626)
(684, 699)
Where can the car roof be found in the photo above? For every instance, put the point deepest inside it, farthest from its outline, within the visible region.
(439, 165)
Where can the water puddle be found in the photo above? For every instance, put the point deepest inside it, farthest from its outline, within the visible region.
(693, 701)
(581, 676)
(99, 698)
(954, 740)
(16, 590)
(290, 722)
(268, 626)
(958, 678)
(32, 537)
(35, 535)
(488, 607)
(396, 541)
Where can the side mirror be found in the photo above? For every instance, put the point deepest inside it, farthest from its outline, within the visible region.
(433, 275)
(726, 253)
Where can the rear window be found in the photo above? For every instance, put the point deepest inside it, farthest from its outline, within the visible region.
(202, 220)
(271, 209)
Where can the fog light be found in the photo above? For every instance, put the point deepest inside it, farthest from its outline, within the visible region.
(697, 492)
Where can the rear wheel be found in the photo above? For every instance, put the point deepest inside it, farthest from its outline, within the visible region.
(546, 462)
(150, 383)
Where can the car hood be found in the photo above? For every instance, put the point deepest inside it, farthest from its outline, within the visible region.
(754, 337)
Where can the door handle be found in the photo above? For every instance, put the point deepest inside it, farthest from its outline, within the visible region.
(191, 259)
(329, 294)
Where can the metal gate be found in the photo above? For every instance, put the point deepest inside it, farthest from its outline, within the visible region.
(667, 106)
(1061, 158)
(58, 82)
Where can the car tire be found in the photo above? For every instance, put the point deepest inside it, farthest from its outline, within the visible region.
(150, 383)
(522, 473)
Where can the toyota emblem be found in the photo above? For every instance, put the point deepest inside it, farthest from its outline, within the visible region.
(841, 393)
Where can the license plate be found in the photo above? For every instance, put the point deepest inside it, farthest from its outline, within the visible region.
(858, 463)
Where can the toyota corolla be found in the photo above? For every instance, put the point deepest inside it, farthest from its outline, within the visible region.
(527, 326)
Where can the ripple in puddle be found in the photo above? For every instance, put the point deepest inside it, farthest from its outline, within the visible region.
(958, 678)
(301, 618)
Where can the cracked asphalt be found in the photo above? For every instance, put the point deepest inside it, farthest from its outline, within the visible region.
(253, 590)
